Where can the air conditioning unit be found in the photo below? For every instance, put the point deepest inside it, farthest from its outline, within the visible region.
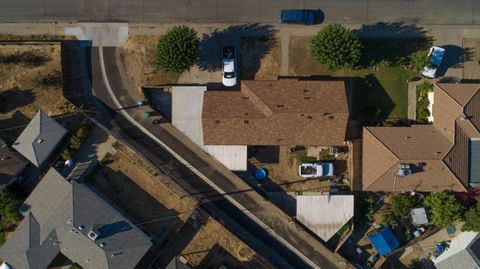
(404, 170)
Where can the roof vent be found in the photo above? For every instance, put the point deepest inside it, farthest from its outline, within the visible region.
(217, 121)
(407, 137)
(280, 105)
(245, 121)
(404, 170)
(305, 90)
(309, 117)
(81, 227)
(4, 158)
(39, 141)
(306, 98)
(246, 113)
(301, 115)
(93, 235)
(102, 244)
(245, 97)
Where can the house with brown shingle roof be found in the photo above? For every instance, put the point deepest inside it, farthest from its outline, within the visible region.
(281, 112)
(442, 156)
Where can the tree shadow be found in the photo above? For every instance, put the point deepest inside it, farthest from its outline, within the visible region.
(210, 56)
(454, 57)
(14, 98)
(391, 29)
(11, 128)
(371, 103)
(393, 42)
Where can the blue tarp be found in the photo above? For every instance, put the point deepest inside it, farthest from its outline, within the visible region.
(384, 241)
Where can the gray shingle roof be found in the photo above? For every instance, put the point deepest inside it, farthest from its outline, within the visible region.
(54, 213)
(39, 138)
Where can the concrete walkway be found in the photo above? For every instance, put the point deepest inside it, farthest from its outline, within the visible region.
(285, 45)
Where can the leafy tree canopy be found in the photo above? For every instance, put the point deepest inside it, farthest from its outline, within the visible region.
(402, 204)
(445, 210)
(177, 50)
(336, 47)
(472, 217)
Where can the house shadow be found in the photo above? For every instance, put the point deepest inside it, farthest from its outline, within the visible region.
(110, 229)
(454, 57)
(14, 98)
(11, 128)
(157, 220)
(264, 154)
(210, 49)
(371, 103)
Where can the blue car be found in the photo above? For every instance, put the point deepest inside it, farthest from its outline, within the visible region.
(299, 16)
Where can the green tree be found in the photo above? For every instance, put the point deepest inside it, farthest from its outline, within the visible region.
(472, 218)
(177, 50)
(9, 204)
(419, 60)
(364, 209)
(388, 219)
(402, 204)
(445, 210)
(336, 47)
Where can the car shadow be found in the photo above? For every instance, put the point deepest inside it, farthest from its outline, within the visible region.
(454, 57)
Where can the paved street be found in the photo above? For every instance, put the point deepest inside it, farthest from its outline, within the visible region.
(459, 12)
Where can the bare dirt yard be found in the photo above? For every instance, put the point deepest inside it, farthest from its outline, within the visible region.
(282, 165)
(214, 246)
(471, 67)
(30, 79)
(138, 57)
(161, 209)
(260, 58)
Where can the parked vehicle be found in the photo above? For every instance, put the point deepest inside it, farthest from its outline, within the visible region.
(299, 16)
(315, 170)
(229, 73)
(435, 56)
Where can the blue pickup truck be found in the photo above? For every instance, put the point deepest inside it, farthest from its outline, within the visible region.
(299, 16)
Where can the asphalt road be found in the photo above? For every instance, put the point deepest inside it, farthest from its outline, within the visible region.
(212, 202)
(456, 12)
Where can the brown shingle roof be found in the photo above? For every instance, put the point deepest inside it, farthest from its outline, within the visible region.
(284, 112)
(440, 151)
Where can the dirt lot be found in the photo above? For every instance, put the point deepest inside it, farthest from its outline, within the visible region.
(138, 58)
(158, 207)
(260, 58)
(214, 246)
(471, 68)
(144, 195)
(21, 93)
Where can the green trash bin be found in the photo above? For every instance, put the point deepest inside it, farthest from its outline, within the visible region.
(146, 114)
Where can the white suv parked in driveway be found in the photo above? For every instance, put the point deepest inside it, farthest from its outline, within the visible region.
(229, 72)
(315, 170)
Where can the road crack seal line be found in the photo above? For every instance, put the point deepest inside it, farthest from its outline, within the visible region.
(194, 170)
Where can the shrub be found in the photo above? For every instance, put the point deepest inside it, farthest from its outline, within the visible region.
(336, 47)
(388, 219)
(328, 158)
(307, 159)
(402, 204)
(445, 210)
(472, 217)
(75, 142)
(418, 60)
(45, 82)
(364, 209)
(177, 50)
(9, 204)
(422, 101)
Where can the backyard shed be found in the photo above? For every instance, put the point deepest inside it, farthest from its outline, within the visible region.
(383, 241)
(419, 216)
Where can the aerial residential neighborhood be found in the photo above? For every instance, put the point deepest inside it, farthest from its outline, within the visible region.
(254, 134)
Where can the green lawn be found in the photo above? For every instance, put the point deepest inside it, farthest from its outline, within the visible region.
(378, 93)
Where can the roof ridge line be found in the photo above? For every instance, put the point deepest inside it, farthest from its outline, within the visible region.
(388, 168)
(437, 84)
(257, 102)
